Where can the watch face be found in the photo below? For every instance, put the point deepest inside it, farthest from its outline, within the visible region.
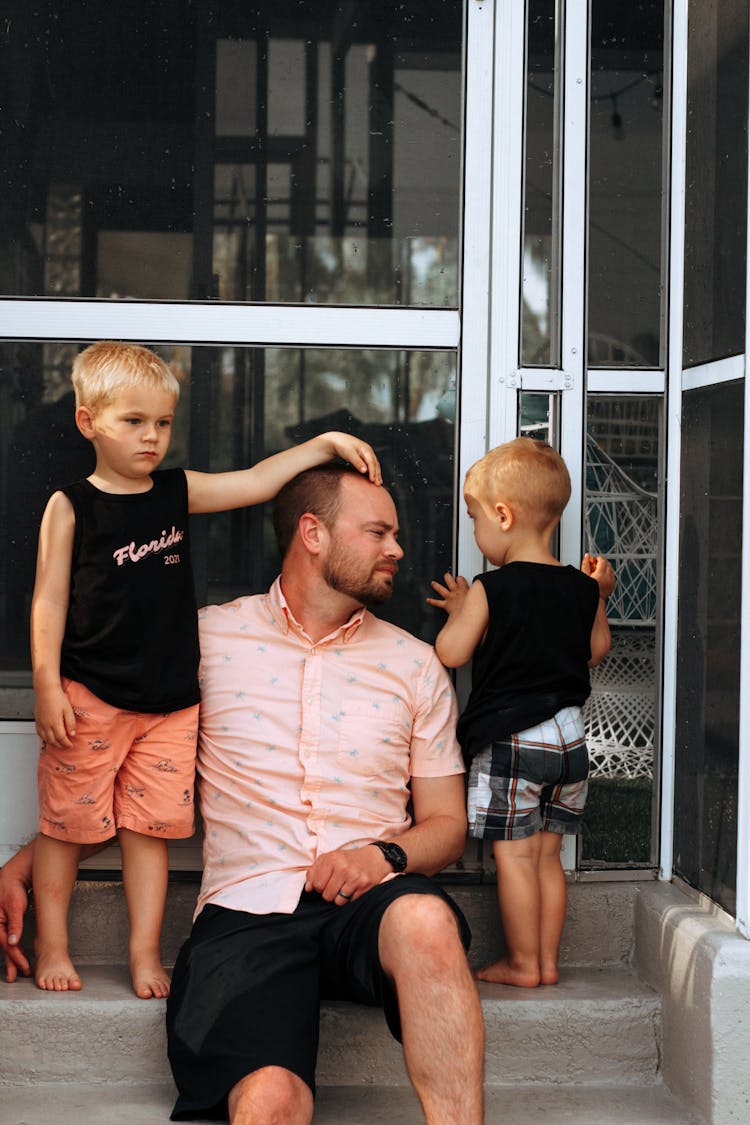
(396, 856)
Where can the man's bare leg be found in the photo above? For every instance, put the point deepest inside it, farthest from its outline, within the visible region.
(441, 1017)
(145, 873)
(554, 900)
(518, 892)
(271, 1096)
(54, 876)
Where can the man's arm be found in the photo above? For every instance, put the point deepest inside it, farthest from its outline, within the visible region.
(15, 887)
(219, 492)
(436, 839)
(15, 884)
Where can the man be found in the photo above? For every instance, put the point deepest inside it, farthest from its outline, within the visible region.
(316, 716)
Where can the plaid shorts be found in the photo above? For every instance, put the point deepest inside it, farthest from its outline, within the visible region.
(533, 781)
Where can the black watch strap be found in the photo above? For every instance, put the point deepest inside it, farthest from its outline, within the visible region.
(394, 853)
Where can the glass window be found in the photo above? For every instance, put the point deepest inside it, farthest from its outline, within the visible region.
(708, 641)
(625, 183)
(268, 152)
(238, 405)
(716, 181)
(621, 521)
(540, 305)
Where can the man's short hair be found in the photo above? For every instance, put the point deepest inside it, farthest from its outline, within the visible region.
(105, 369)
(526, 473)
(317, 491)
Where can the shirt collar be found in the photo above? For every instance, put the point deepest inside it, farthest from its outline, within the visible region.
(283, 617)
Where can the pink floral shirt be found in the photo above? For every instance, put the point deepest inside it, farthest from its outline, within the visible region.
(306, 748)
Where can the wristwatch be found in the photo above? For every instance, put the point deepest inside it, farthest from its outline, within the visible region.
(395, 854)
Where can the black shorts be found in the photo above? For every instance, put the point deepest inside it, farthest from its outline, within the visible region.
(246, 988)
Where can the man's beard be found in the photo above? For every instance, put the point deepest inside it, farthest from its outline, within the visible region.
(342, 575)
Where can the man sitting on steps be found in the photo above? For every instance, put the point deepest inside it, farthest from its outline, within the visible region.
(318, 722)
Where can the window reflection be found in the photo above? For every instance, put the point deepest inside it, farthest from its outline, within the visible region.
(716, 181)
(708, 643)
(540, 308)
(625, 184)
(194, 150)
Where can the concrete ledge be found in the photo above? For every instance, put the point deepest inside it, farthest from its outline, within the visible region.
(594, 1027)
(355, 1105)
(598, 928)
(693, 957)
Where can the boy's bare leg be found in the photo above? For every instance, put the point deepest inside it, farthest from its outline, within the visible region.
(554, 901)
(54, 876)
(518, 893)
(144, 872)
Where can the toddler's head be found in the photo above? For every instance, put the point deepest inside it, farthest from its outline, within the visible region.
(529, 475)
(104, 370)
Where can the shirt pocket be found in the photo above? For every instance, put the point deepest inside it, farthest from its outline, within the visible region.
(373, 741)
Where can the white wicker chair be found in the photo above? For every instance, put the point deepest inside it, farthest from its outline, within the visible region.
(621, 523)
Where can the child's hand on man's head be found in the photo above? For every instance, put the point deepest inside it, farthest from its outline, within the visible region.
(358, 453)
(598, 568)
(451, 595)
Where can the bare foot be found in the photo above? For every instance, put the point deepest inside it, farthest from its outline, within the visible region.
(549, 974)
(55, 972)
(502, 972)
(150, 978)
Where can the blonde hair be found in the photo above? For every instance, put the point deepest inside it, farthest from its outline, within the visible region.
(107, 368)
(528, 474)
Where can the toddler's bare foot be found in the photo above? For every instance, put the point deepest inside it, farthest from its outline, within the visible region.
(55, 972)
(502, 972)
(150, 978)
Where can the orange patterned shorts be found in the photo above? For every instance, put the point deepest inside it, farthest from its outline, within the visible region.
(125, 769)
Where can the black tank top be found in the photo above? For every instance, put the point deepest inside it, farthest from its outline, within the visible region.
(132, 634)
(534, 658)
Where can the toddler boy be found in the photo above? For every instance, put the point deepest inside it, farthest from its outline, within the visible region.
(533, 627)
(115, 647)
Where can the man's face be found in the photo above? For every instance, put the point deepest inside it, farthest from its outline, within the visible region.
(362, 555)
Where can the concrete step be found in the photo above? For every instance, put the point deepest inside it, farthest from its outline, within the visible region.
(355, 1105)
(595, 1027)
(598, 930)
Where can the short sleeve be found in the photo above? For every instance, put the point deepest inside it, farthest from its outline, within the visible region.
(435, 751)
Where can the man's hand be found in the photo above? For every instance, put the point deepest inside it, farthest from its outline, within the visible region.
(14, 900)
(452, 595)
(344, 875)
(598, 568)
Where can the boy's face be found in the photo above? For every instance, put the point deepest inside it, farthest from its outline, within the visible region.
(131, 434)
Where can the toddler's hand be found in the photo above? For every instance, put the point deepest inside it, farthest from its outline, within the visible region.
(601, 571)
(451, 595)
(358, 453)
(54, 717)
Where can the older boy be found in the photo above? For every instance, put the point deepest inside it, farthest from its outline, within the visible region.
(115, 646)
(533, 627)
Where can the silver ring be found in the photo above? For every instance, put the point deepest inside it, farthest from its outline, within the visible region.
(342, 895)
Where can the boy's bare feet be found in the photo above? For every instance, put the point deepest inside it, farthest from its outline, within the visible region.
(55, 972)
(549, 974)
(502, 972)
(150, 978)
